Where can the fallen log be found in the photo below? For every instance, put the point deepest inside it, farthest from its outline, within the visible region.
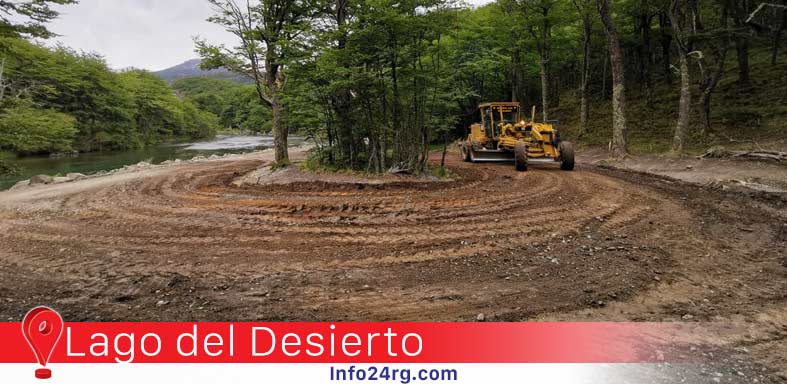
(719, 152)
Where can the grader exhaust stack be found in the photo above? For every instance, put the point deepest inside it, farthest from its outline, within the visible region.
(502, 135)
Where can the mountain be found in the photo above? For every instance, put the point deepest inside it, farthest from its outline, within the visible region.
(191, 69)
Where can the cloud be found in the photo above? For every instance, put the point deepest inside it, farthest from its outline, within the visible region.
(149, 34)
(146, 34)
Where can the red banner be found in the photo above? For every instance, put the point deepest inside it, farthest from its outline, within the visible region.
(356, 343)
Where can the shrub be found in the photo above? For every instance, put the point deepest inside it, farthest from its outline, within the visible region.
(28, 130)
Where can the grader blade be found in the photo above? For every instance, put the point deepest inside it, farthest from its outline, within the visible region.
(485, 155)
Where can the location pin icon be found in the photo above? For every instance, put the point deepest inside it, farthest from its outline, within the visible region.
(42, 328)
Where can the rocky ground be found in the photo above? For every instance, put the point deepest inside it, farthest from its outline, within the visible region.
(216, 240)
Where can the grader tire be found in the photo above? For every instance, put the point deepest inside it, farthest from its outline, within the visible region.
(520, 157)
(566, 156)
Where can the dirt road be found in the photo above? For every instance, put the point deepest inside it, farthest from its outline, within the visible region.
(183, 243)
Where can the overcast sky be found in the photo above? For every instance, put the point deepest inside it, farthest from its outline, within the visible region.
(147, 34)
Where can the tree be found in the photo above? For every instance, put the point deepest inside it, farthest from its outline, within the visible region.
(59, 89)
(770, 17)
(740, 12)
(777, 34)
(619, 132)
(678, 18)
(540, 18)
(584, 9)
(28, 130)
(34, 14)
(383, 82)
(236, 105)
(714, 44)
(267, 33)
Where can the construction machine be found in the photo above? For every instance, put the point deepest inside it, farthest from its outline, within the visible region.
(505, 135)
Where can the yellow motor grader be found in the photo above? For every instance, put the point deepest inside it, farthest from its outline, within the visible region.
(504, 135)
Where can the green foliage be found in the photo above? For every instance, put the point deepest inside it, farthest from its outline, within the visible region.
(160, 115)
(9, 169)
(108, 110)
(382, 86)
(377, 83)
(28, 130)
(237, 105)
(28, 18)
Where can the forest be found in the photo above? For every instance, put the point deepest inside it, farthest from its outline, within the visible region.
(235, 104)
(57, 100)
(377, 83)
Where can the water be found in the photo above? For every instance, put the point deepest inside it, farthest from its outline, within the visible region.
(104, 161)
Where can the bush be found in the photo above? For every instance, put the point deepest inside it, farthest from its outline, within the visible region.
(28, 130)
(8, 169)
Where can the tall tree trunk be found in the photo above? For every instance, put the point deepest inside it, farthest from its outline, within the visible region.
(644, 47)
(778, 35)
(395, 105)
(679, 27)
(544, 50)
(684, 109)
(384, 111)
(584, 112)
(280, 131)
(516, 71)
(515, 75)
(343, 113)
(2, 80)
(709, 82)
(704, 103)
(343, 103)
(604, 76)
(544, 66)
(742, 42)
(666, 44)
(619, 132)
(742, 46)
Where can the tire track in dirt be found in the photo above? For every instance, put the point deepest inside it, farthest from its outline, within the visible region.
(512, 245)
(338, 249)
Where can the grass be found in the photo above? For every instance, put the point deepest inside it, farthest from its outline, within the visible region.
(741, 117)
(441, 173)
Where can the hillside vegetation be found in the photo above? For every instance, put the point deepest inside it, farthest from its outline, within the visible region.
(59, 100)
(236, 104)
(752, 116)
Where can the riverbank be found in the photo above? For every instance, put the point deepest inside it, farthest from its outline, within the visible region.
(98, 162)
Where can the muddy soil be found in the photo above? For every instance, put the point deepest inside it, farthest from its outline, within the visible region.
(189, 243)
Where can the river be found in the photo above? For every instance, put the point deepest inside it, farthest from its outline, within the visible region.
(104, 161)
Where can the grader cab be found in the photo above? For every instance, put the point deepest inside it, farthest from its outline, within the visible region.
(505, 135)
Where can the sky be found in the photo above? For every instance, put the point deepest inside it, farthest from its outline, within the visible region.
(145, 34)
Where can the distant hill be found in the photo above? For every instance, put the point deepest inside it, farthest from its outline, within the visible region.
(191, 69)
